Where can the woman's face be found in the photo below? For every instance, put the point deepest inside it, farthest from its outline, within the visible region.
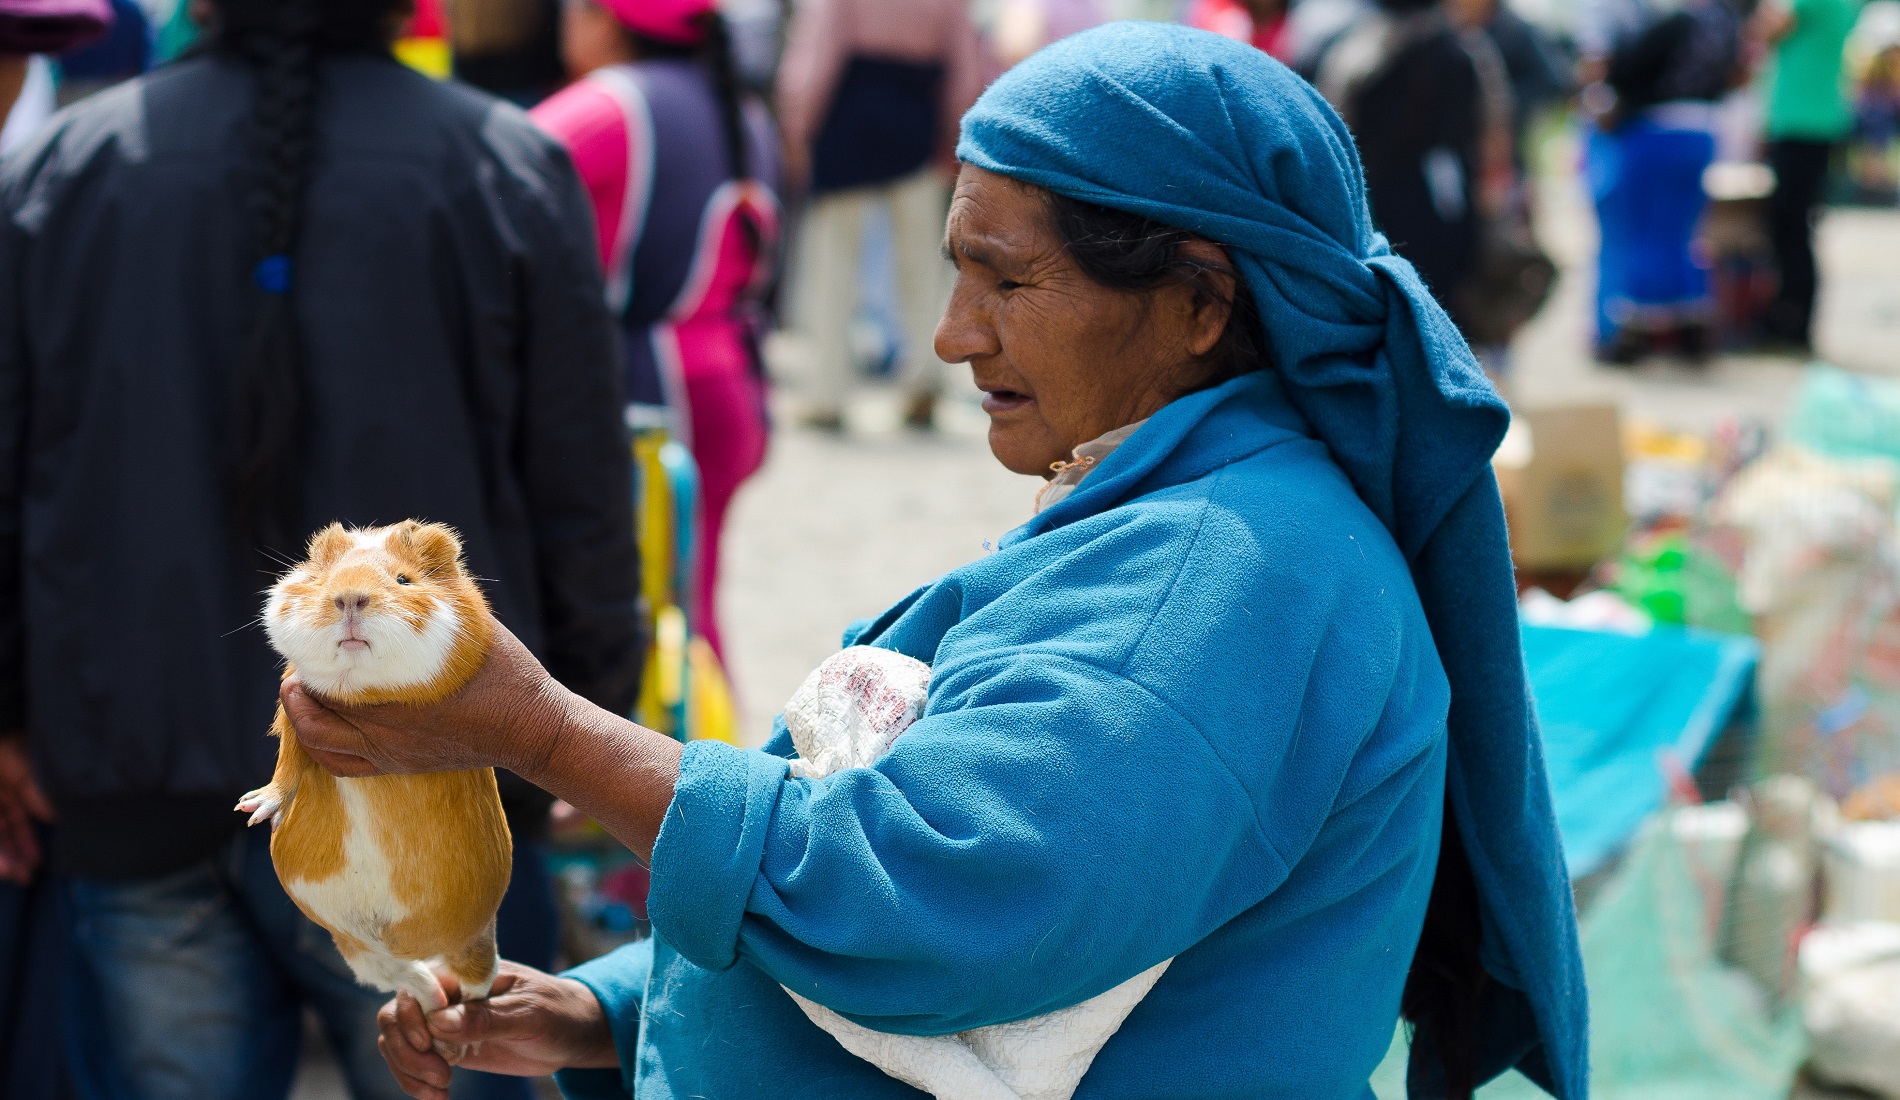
(1060, 358)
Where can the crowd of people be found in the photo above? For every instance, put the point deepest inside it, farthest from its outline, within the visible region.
(281, 279)
(1658, 81)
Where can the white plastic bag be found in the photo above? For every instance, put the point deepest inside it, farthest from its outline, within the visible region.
(846, 714)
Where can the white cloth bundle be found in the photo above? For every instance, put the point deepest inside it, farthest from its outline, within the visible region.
(846, 715)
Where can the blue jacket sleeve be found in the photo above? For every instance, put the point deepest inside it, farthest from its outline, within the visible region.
(1049, 830)
(619, 981)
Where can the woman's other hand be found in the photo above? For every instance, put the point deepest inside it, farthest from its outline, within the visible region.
(531, 1025)
(507, 715)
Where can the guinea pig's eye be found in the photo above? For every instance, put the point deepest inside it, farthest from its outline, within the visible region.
(402, 578)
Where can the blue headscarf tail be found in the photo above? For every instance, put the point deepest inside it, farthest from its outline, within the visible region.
(1205, 134)
(1210, 135)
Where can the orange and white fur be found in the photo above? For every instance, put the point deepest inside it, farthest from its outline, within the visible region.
(405, 871)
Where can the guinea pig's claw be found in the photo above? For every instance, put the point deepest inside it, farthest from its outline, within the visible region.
(262, 804)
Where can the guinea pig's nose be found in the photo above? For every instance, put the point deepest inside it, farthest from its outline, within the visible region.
(352, 603)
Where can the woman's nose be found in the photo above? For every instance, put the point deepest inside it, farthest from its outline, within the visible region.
(355, 601)
(964, 332)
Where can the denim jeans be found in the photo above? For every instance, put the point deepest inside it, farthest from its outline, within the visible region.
(193, 985)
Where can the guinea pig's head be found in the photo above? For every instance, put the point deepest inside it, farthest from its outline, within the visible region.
(383, 614)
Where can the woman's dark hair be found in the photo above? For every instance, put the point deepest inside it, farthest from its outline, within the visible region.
(714, 51)
(1129, 252)
(281, 40)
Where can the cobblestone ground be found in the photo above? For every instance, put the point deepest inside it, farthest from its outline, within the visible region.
(834, 528)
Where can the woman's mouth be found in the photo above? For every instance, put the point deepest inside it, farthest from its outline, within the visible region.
(1002, 401)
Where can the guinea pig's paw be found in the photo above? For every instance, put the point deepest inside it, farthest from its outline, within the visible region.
(262, 804)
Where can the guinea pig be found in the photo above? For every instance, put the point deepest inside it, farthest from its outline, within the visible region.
(406, 872)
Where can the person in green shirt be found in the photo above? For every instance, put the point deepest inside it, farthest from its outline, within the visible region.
(1808, 114)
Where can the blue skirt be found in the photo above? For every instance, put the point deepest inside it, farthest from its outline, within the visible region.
(1646, 178)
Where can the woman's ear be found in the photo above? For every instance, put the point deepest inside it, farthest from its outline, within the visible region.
(1214, 289)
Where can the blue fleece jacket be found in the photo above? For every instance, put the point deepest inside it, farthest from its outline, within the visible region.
(1192, 710)
(1200, 132)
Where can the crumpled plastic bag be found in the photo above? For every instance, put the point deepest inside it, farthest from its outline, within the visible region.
(847, 714)
(1821, 573)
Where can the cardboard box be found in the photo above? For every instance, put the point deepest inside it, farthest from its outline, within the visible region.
(1561, 472)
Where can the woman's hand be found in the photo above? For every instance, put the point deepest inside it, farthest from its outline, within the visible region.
(513, 715)
(508, 714)
(531, 1025)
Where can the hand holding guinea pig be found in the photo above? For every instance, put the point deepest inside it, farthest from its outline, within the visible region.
(504, 716)
(531, 1025)
(508, 713)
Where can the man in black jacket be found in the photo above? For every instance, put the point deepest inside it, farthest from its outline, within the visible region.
(291, 247)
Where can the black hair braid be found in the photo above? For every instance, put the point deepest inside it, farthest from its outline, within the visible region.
(717, 54)
(269, 398)
(281, 41)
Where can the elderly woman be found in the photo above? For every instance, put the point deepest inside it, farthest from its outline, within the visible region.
(1245, 692)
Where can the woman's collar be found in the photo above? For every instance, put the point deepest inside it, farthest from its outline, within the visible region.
(1188, 439)
(1083, 459)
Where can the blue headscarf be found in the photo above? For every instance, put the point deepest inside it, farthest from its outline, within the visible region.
(1205, 134)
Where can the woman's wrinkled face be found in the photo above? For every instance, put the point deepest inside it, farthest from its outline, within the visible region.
(1060, 358)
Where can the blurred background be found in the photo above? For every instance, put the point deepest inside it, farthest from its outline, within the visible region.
(1669, 230)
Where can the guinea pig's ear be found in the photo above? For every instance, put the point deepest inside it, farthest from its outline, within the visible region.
(328, 545)
(435, 546)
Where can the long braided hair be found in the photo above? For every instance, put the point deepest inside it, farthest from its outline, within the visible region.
(281, 41)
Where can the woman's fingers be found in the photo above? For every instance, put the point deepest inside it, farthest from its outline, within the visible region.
(413, 1086)
(404, 1042)
(330, 739)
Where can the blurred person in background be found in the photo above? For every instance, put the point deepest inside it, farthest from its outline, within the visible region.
(121, 54)
(1539, 73)
(1429, 103)
(1260, 22)
(1876, 157)
(33, 936)
(681, 165)
(29, 27)
(1808, 117)
(1024, 26)
(1644, 161)
(869, 93)
(283, 282)
(508, 48)
(12, 80)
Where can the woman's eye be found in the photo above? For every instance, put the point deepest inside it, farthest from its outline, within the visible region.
(402, 578)
(1008, 284)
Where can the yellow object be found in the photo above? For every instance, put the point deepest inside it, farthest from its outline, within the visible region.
(429, 56)
(685, 692)
(669, 656)
(655, 521)
(710, 713)
(1644, 439)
